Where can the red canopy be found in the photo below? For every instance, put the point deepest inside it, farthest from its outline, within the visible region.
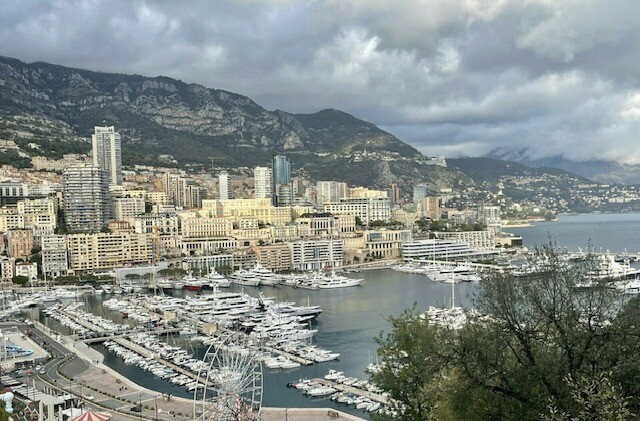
(92, 416)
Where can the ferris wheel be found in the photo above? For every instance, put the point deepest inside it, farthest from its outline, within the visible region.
(229, 385)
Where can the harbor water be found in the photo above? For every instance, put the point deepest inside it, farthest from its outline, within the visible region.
(354, 317)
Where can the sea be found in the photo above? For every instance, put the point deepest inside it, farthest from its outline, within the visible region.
(354, 317)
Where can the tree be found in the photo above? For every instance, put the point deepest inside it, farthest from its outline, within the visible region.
(530, 348)
(20, 280)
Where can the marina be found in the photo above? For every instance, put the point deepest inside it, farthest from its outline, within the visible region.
(348, 321)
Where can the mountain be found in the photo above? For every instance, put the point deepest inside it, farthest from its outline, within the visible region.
(602, 171)
(490, 170)
(163, 119)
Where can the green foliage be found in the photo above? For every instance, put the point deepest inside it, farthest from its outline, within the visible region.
(11, 157)
(172, 272)
(541, 349)
(596, 398)
(20, 280)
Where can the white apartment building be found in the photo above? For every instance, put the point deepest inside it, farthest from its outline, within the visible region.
(477, 240)
(205, 264)
(87, 204)
(206, 246)
(108, 250)
(263, 182)
(182, 191)
(437, 249)
(54, 255)
(107, 153)
(368, 209)
(127, 208)
(311, 255)
(330, 191)
(224, 186)
(28, 270)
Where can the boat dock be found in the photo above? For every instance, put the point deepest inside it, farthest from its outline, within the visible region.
(286, 354)
(123, 341)
(350, 389)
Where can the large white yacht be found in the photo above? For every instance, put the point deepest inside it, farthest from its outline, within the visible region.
(265, 276)
(244, 277)
(335, 281)
(215, 280)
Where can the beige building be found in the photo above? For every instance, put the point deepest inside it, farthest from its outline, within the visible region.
(261, 210)
(108, 250)
(364, 193)
(7, 268)
(386, 244)
(39, 213)
(155, 197)
(275, 257)
(353, 247)
(320, 225)
(408, 219)
(10, 218)
(206, 227)
(19, 243)
(367, 209)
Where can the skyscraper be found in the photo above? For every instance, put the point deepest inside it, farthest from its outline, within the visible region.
(263, 182)
(107, 153)
(281, 170)
(87, 205)
(224, 185)
(282, 188)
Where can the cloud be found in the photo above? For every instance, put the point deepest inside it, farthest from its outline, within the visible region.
(453, 77)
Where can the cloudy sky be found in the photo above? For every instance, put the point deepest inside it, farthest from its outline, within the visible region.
(451, 77)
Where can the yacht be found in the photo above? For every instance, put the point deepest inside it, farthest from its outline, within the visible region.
(191, 283)
(265, 276)
(214, 279)
(335, 281)
(243, 277)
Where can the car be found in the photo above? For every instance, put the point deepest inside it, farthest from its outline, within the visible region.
(88, 397)
(42, 371)
(136, 409)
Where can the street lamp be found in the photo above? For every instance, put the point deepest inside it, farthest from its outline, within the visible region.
(155, 406)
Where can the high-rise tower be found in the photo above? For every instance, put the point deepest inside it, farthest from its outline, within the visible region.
(87, 205)
(263, 182)
(107, 153)
(282, 189)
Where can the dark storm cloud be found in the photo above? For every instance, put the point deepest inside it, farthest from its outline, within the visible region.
(449, 76)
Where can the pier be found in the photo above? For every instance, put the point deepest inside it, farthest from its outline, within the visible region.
(120, 339)
(288, 355)
(114, 335)
(350, 389)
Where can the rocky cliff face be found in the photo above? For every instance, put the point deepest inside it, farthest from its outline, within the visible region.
(194, 124)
